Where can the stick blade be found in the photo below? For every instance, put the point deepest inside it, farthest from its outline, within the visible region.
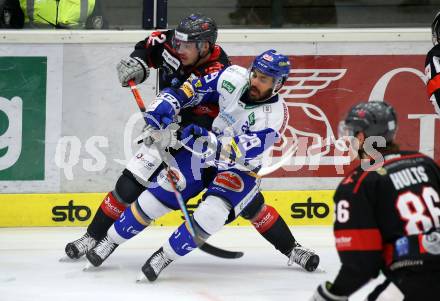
(212, 250)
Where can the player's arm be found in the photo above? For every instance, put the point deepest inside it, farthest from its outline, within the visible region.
(170, 101)
(432, 72)
(150, 49)
(147, 54)
(358, 242)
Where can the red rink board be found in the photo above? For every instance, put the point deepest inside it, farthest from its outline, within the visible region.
(321, 89)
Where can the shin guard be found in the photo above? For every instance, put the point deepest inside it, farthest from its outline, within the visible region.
(274, 229)
(107, 213)
(132, 221)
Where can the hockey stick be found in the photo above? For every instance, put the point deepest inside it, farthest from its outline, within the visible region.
(202, 245)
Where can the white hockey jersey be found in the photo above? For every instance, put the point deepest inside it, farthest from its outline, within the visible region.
(251, 129)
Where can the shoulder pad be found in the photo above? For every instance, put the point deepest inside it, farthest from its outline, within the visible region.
(232, 80)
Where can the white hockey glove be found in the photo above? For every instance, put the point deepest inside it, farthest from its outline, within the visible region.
(132, 68)
(322, 294)
(162, 138)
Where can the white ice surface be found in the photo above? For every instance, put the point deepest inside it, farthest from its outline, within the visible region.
(30, 268)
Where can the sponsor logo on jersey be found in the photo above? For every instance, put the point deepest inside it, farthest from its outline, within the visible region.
(343, 241)
(163, 181)
(229, 180)
(267, 109)
(402, 246)
(187, 89)
(198, 84)
(147, 163)
(228, 86)
(70, 213)
(170, 59)
(251, 118)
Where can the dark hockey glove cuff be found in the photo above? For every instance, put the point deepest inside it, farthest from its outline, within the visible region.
(322, 293)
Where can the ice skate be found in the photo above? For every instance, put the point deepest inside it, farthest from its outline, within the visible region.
(103, 249)
(304, 257)
(155, 264)
(79, 247)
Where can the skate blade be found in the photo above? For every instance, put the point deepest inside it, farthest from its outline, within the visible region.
(88, 267)
(66, 259)
(320, 270)
(141, 278)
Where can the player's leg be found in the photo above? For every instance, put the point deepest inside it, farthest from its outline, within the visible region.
(132, 221)
(128, 188)
(209, 217)
(274, 229)
(228, 192)
(157, 200)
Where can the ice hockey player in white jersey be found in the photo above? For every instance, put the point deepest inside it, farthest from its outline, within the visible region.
(252, 118)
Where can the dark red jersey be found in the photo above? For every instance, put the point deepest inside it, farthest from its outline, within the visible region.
(157, 51)
(381, 212)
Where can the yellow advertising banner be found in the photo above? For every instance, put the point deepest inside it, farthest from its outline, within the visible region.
(298, 208)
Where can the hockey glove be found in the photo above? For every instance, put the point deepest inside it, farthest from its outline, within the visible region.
(163, 138)
(132, 68)
(203, 143)
(322, 293)
(159, 114)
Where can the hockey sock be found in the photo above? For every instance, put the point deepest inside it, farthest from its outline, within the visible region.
(107, 213)
(132, 221)
(274, 229)
(181, 241)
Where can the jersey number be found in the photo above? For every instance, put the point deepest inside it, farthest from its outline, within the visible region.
(249, 141)
(210, 77)
(342, 211)
(412, 209)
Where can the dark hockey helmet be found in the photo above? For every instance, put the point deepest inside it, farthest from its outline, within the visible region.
(196, 28)
(273, 64)
(435, 29)
(373, 118)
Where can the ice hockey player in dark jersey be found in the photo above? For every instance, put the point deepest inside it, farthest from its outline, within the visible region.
(432, 66)
(387, 215)
(190, 49)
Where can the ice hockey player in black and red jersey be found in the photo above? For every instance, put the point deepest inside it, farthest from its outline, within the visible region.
(432, 66)
(387, 215)
(190, 49)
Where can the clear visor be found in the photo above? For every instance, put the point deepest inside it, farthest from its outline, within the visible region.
(346, 139)
(344, 130)
(183, 45)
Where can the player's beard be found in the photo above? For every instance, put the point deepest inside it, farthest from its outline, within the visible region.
(256, 95)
